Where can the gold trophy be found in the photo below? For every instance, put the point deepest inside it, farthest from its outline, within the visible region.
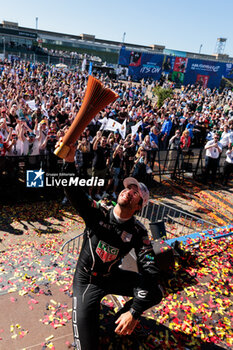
(96, 98)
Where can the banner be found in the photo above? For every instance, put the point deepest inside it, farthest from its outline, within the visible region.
(180, 69)
(32, 105)
(177, 77)
(206, 73)
(180, 64)
(168, 64)
(229, 71)
(122, 130)
(112, 125)
(141, 64)
(135, 127)
(202, 80)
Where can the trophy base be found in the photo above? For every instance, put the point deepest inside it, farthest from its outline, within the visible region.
(62, 151)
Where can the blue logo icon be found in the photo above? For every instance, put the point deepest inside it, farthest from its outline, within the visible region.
(35, 178)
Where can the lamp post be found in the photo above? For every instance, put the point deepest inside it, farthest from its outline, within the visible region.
(200, 48)
(123, 38)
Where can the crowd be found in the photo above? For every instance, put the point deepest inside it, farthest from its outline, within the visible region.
(70, 54)
(39, 102)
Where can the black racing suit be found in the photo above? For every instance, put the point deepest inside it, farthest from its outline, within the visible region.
(105, 243)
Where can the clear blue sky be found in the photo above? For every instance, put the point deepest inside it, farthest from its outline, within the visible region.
(177, 24)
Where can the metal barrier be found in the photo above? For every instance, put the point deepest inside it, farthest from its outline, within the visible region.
(178, 164)
(73, 245)
(171, 162)
(177, 222)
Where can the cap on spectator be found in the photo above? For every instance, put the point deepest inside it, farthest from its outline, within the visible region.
(53, 121)
(31, 134)
(43, 121)
(2, 120)
(142, 189)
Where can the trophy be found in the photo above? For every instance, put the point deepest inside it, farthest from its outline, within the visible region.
(96, 98)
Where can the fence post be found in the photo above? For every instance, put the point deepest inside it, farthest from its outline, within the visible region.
(159, 166)
(198, 162)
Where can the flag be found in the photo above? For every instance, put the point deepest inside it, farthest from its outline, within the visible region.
(112, 125)
(134, 128)
(84, 64)
(103, 122)
(122, 130)
(44, 111)
(90, 68)
(32, 105)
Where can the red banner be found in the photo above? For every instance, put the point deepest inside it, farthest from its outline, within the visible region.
(180, 64)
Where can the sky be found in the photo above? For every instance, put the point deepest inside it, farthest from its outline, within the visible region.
(179, 25)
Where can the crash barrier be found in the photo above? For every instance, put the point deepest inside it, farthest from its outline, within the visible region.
(197, 237)
(73, 245)
(161, 220)
(176, 222)
(177, 163)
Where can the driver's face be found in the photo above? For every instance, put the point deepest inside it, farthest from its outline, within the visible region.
(130, 198)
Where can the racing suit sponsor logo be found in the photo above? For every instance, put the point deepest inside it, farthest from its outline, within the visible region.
(107, 226)
(106, 252)
(126, 237)
(142, 293)
(146, 241)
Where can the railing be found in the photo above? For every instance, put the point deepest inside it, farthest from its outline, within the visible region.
(176, 221)
(73, 245)
(178, 164)
(167, 165)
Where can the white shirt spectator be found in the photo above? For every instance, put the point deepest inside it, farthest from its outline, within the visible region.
(229, 158)
(31, 148)
(212, 150)
(16, 149)
(227, 137)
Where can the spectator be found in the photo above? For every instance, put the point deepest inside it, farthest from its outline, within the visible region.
(228, 165)
(174, 147)
(101, 160)
(185, 141)
(213, 150)
(165, 132)
(139, 170)
(116, 167)
(129, 153)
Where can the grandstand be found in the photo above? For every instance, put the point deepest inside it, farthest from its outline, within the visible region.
(21, 41)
